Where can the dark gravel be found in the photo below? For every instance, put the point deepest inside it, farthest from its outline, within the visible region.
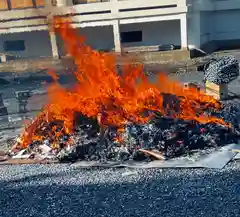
(61, 190)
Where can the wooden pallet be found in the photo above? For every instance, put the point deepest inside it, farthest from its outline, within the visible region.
(219, 92)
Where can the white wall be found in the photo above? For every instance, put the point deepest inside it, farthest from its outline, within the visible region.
(155, 33)
(99, 37)
(206, 26)
(219, 25)
(226, 25)
(37, 43)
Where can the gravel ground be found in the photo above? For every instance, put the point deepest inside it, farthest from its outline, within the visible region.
(61, 190)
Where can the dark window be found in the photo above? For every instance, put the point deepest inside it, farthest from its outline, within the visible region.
(128, 37)
(18, 45)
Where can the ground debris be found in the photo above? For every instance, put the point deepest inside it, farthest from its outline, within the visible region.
(162, 138)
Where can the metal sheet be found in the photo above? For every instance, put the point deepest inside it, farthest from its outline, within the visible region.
(218, 159)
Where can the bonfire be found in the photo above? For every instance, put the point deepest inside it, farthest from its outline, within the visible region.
(116, 113)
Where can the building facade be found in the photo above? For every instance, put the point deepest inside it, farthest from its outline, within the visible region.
(116, 24)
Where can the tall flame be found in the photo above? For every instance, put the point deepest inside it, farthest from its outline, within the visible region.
(118, 97)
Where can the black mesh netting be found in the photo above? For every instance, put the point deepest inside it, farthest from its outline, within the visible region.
(221, 70)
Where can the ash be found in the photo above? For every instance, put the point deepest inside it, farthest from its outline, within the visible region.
(170, 137)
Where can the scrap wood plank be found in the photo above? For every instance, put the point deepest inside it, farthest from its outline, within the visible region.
(27, 161)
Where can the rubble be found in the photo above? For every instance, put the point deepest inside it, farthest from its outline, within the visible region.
(162, 138)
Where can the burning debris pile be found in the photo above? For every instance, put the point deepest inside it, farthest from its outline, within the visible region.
(112, 115)
(161, 138)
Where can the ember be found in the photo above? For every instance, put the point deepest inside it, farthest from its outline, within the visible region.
(120, 115)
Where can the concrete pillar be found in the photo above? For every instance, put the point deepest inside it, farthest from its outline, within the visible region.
(54, 45)
(184, 31)
(116, 35)
(3, 58)
(49, 5)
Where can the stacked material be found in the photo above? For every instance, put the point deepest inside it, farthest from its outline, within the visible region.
(218, 73)
(221, 70)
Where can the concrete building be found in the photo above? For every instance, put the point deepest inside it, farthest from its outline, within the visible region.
(113, 24)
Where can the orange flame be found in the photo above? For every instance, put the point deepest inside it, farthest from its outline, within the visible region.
(119, 98)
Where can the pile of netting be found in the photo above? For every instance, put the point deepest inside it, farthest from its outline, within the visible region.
(221, 70)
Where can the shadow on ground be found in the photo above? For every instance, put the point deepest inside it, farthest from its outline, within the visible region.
(208, 196)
